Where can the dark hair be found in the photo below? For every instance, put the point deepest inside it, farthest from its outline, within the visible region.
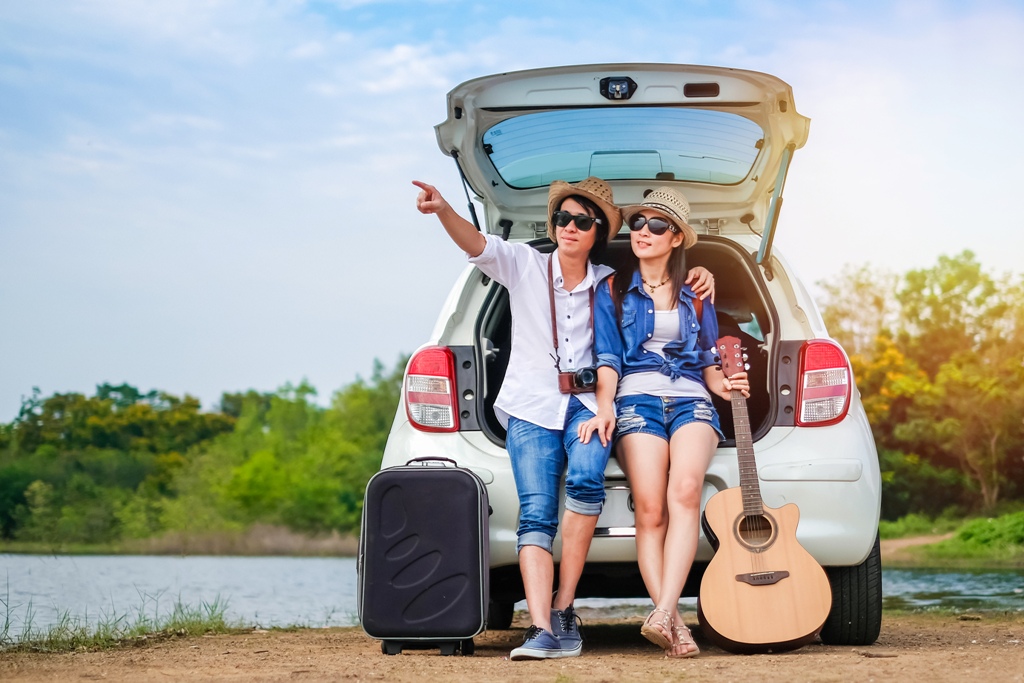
(624, 274)
(592, 209)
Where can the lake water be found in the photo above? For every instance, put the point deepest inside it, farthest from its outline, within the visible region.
(319, 592)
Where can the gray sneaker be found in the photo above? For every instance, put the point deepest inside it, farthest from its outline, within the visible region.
(538, 644)
(565, 627)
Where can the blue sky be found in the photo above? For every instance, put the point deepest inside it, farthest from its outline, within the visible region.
(208, 196)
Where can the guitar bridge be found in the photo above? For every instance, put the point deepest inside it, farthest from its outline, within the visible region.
(762, 578)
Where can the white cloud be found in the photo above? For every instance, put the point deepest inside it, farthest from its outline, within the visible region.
(401, 68)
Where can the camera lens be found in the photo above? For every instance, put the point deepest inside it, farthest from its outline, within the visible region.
(586, 377)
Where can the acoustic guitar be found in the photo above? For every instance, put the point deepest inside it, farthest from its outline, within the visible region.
(762, 590)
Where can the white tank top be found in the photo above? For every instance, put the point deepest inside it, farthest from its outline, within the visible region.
(653, 383)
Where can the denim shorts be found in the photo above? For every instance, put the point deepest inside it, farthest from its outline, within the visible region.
(539, 457)
(663, 415)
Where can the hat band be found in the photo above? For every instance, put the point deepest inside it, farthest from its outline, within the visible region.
(665, 208)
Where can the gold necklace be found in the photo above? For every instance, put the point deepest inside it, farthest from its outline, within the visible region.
(653, 287)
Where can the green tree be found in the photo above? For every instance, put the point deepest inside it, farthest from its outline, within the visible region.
(38, 517)
(971, 412)
(129, 464)
(911, 484)
(289, 461)
(93, 453)
(946, 310)
(859, 306)
(941, 377)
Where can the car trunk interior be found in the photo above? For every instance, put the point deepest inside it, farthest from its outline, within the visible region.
(741, 312)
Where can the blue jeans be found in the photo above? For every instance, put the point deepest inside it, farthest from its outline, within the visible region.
(539, 456)
(662, 415)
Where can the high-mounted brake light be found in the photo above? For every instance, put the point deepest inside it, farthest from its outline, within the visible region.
(825, 384)
(430, 398)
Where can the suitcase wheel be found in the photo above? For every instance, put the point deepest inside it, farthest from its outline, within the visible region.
(390, 647)
(468, 647)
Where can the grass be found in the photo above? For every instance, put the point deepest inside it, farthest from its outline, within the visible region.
(74, 633)
(998, 540)
(918, 525)
(984, 542)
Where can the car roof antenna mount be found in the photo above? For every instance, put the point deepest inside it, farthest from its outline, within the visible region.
(465, 186)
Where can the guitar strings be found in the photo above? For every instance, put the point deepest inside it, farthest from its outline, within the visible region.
(757, 527)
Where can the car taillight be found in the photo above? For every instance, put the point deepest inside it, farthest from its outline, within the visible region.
(825, 384)
(430, 398)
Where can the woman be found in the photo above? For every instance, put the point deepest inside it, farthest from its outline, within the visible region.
(541, 415)
(655, 347)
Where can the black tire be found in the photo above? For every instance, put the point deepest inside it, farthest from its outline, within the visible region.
(856, 616)
(468, 647)
(389, 647)
(449, 649)
(499, 615)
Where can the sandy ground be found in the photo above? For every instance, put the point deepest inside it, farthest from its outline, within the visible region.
(917, 647)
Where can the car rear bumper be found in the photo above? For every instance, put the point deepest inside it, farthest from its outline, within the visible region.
(830, 473)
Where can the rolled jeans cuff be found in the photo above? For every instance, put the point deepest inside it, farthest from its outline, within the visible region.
(537, 538)
(582, 508)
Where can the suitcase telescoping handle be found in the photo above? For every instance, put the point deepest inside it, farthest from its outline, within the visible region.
(433, 461)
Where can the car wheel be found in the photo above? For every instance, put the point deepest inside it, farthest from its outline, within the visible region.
(499, 615)
(856, 616)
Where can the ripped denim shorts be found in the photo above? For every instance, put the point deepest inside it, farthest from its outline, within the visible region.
(662, 415)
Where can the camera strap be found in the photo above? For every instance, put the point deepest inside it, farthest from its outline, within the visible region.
(554, 323)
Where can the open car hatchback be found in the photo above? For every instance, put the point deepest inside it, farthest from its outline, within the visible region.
(725, 138)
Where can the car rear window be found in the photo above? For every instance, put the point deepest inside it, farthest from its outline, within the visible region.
(624, 143)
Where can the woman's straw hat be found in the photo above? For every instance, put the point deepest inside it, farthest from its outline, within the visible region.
(672, 204)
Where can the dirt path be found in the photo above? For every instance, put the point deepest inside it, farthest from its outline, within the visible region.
(911, 648)
(894, 550)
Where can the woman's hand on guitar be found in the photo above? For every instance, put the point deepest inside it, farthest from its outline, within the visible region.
(737, 382)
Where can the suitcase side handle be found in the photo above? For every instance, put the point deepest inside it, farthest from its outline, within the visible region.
(433, 461)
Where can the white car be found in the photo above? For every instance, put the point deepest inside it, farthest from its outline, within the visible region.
(725, 137)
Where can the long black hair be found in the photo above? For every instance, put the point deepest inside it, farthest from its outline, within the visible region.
(624, 274)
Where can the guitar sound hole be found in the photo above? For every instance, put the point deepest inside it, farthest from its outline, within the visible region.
(755, 530)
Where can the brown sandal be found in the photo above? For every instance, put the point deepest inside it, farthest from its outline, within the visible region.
(683, 639)
(658, 631)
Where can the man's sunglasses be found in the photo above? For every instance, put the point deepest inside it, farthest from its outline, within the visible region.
(656, 225)
(582, 221)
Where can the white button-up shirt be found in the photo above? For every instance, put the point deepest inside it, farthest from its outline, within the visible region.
(530, 388)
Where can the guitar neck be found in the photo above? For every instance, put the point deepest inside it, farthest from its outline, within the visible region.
(752, 505)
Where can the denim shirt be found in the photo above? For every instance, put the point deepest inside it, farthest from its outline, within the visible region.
(621, 346)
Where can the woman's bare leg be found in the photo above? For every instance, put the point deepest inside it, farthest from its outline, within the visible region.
(644, 458)
(690, 452)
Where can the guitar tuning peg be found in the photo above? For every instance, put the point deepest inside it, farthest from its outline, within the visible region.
(746, 366)
(746, 357)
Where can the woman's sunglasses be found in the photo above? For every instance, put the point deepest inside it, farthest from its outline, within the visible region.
(656, 225)
(582, 221)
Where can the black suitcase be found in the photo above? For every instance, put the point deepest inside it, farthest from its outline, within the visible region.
(424, 556)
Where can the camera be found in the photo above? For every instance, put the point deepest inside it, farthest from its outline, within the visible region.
(581, 381)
